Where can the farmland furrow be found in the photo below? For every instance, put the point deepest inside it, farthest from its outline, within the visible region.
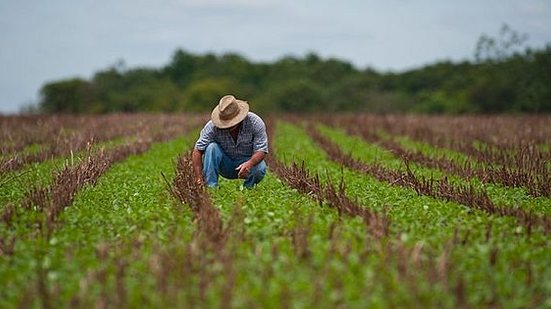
(297, 177)
(53, 199)
(196, 197)
(128, 204)
(274, 242)
(94, 130)
(513, 196)
(14, 185)
(465, 194)
(313, 233)
(279, 238)
(24, 131)
(511, 142)
(19, 132)
(535, 177)
(208, 257)
(435, 222)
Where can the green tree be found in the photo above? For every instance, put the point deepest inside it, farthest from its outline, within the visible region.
(66, 96)
(181, 68)
(296, 95)
(534, 90)
(203, 95)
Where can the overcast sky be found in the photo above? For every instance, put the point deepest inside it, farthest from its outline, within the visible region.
(43, 41)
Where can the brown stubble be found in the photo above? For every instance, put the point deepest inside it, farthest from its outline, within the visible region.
(70, 134)
(466, 195)
(210, 244)
(47, 203)
(510, 155)
(392, 251)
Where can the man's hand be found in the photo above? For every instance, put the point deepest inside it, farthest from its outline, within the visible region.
(244, 169)
(199, 181)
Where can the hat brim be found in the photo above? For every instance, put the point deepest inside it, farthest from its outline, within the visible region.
(224, 124)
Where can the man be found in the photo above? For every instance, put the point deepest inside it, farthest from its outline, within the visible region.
(232, 144)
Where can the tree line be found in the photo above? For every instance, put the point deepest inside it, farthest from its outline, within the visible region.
(501, 79)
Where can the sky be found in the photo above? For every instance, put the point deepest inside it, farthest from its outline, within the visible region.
(43, 41)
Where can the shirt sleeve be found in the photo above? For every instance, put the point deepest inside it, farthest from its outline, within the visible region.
(206, 137)
(260, 138)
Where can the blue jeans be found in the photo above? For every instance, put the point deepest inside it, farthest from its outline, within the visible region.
(216, 162)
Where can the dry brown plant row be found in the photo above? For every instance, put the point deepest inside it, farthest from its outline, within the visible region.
(442, 189)
(508, 141)
(188, 192)
(186, 273)
(210, 243)
(536, 178)
(7, 242)
(19, 132)
(53, 199)
(297, 177)
(72, 134)
(502, 132)
(174, 269)
(435, 267)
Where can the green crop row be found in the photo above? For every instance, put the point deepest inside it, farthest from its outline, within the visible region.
(127, 243)
(15, 184)
(500, 195)
(420, 219)
(129, 204)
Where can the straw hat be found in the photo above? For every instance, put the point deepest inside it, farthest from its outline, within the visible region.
(229, 112)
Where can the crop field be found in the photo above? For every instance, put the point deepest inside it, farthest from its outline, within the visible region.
(356, 211)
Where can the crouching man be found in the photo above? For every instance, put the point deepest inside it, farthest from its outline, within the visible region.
(232, 144)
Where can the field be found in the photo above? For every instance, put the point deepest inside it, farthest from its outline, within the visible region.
(355, 211)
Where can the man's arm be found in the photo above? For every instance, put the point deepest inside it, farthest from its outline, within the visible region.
(260, 148)
(246, 166)
(197, 160)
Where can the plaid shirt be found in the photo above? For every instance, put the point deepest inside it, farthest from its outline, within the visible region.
(252, 138)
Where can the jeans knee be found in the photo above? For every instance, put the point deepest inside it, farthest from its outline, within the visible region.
(256, 175)
(260, 169)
